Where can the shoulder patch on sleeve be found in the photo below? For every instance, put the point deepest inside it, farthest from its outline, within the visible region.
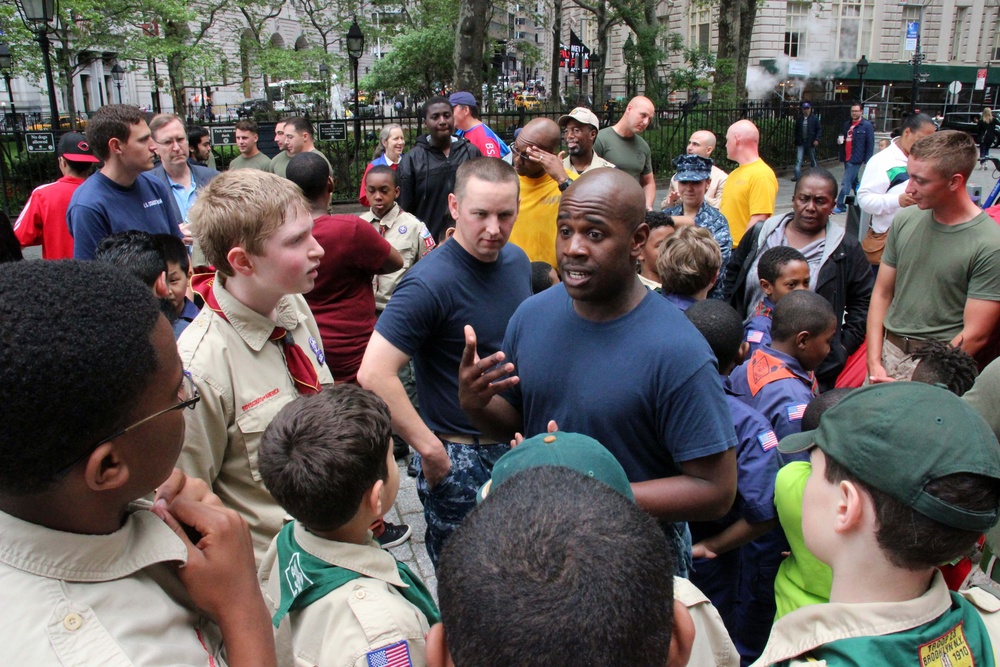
(795, 411)
(755, 336)
(768, 440)
(396, 655)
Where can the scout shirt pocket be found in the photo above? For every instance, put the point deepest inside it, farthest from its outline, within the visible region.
(251, 425)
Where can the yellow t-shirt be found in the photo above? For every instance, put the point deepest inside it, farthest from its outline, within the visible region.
(750, 190)
(535, 229)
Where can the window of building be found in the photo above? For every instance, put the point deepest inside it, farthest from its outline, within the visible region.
(853, 28)
(700, 26)
(796, 21)
(995, 51)
(958, 34)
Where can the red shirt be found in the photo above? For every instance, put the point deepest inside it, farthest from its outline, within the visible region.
(343, 300)
(43, 219)
(849, 140)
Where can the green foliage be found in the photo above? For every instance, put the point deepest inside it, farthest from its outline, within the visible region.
(724, 91)
(420, 62)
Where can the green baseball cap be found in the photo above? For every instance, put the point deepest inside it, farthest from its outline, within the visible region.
(568, 450)
(897, 437)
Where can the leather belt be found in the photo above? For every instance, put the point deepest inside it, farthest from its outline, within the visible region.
(907, 345)
(465, 439)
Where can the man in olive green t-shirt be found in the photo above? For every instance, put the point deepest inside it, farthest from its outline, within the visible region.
(621, 145)
(250, 156)
(940, 274)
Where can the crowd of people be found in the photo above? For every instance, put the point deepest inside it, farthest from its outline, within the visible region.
(705, 435)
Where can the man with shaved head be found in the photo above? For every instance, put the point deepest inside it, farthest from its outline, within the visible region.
(622, 145)
(752, 187)
(543, 180)
(654, 400)
(702, 142)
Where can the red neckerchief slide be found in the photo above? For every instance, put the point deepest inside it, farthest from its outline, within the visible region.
(299, 366)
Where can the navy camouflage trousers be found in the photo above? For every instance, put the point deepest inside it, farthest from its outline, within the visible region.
(453, 497)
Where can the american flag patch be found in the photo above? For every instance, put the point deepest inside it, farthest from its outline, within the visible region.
(768, 440)
(755, 336)
(397, 655)
(795, 411)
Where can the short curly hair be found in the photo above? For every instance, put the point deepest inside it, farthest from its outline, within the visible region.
(76, 357)
(941, 363)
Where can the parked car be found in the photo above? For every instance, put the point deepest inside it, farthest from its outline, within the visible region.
(526, 102)
(965, 121)
(45, 124)
(248, 108)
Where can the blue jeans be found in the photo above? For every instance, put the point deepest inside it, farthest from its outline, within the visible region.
(849, 182)
(801, 152)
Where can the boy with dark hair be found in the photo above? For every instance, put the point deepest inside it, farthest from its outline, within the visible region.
(256, 345)
(883, 528)
(737, 556)
(602, 566)
(121, 196)
(688, 264)
(777, 380)
(138, 253)
(337, 597)
(781, 270)
(941, 363)
(404, 232)
(90, 574)
(661, 226)
(178, 281)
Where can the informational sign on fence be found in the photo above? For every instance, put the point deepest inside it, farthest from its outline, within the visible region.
(40, 142)
(333, 130)
(224, 136)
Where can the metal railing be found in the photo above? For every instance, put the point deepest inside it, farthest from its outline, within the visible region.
(21, 170)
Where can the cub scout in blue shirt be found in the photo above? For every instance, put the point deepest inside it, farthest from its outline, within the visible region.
(777, 381)
(781, 270)
(337, 598)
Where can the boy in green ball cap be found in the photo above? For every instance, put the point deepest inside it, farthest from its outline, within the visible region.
(905, 477)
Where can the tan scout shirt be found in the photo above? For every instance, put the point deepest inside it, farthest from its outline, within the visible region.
(110, 600)
(812, 626)
(407, 235)
(712, 644)
(596, 163)
(363, 615)
(243, 382)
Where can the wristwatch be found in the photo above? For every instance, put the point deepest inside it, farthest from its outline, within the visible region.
(565, 184)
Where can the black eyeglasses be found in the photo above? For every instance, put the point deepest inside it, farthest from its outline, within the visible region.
(189, 397)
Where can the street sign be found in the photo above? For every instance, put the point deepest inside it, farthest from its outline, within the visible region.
(798, 68)
(224, 136)
(333, 130)
(912, 33)
(981, 79)
(955, 87)
(40, 142)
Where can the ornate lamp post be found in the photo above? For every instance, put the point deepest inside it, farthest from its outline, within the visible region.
(6, 63)
(629, 50)
(356, 47)
(324, 74)
(862, 68)
(36, 15)
(117, 74)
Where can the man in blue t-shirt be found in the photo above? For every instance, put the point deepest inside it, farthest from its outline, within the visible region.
(601, 355)
(121, 196)
(474, 278)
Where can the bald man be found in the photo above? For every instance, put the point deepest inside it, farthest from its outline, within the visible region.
(654, 400)
(543, 178)
(701, 143)
(752, 187)
(621, 145)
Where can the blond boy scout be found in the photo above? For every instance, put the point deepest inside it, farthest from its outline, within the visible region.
(336, 596)
(401, 229)
(255, 346)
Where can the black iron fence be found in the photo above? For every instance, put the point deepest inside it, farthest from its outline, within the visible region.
(22, 169)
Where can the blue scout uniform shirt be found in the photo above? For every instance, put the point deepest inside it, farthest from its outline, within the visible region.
(186, 317)
(681, 301)
(757, 330)
(774, 384)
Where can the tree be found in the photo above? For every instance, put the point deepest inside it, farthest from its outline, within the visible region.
(470, 40)
(640, 16)
(606, 17)
(420, 62)
(736, 19)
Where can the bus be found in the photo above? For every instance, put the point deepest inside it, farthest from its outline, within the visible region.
(298, 96)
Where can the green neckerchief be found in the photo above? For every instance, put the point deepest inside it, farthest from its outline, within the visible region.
(956, 637)
(305, 579)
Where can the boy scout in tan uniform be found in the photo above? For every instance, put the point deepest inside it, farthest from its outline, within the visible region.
(337, 597)
(88, 575)
(255, 346)
(936, 466)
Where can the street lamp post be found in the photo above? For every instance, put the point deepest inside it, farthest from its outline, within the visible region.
(36, 15)
(356, 47)
(629, 50)
(862, 68)
(324, 74)
(117, 74)
(918, 57)
(6, 63)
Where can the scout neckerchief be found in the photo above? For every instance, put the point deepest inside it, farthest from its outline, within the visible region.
(765, 369)
(306, 578)
(299, 366)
